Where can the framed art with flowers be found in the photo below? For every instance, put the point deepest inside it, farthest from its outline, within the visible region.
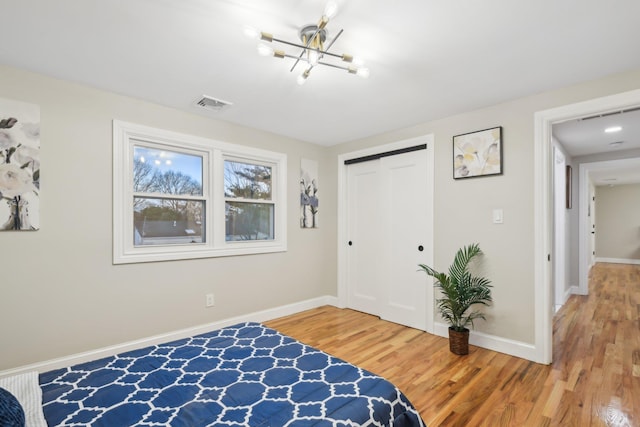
(478, 153)
(19, 165)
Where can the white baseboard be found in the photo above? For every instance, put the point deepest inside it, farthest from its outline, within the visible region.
(619, 260)
(259, 316)
(573, 290)
(491, 342)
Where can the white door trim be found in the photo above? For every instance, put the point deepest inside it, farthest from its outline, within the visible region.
(428, 192)
(559, 229)
(543, 225)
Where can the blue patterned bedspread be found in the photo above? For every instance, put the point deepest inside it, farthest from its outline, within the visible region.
(242, 375)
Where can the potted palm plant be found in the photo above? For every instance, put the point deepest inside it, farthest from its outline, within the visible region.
(460, 290)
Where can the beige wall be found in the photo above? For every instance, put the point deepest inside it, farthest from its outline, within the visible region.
(60, 293)
(463, 207)
(618, 222)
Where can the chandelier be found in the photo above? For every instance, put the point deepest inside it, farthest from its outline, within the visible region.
(312, 49)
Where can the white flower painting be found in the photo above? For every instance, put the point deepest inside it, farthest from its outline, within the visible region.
(477, 153)
(309, 203)
(19, 165)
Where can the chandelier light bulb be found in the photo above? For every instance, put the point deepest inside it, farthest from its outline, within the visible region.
(302, 78)
(264, 50)
(314, 57)
(331, 9)
(362, 72)
(251, 32)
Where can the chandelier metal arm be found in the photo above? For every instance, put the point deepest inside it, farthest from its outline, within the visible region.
(305, 47)
(331, 44)
(287, 55)
(301, 46)
(322, 53)
(340, 67)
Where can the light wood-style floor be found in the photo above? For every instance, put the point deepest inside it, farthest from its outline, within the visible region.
(593, 381)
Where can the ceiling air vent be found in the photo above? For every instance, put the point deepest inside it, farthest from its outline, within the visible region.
(628, 110)
(212, 104)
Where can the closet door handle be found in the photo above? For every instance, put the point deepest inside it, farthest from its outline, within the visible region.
(350, 243)
(421, 248)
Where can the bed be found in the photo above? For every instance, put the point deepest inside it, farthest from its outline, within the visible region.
(242, 375)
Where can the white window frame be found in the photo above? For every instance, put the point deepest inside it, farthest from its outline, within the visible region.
(271, 201)
(126, 135)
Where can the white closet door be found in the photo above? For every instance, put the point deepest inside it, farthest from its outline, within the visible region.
(387, 231)
(404, 291)
(364, 270)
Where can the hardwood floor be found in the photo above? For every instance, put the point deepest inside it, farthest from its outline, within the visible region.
(593, 381)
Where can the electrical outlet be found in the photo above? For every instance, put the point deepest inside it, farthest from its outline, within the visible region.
(210, 301)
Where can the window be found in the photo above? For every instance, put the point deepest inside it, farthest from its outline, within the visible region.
(168, 201)
(248, 203)
(180, 197)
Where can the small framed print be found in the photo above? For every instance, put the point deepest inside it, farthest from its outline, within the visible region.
(478, 153)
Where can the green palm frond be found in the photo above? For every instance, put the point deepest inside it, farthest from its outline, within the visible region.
(460, 290)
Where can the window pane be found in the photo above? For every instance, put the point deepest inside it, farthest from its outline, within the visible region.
(166, 222)
(249, 221)
(166, 172)
(248, 181)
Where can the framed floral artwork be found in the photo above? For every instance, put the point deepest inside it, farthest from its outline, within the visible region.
(19, 165)
(478, 153)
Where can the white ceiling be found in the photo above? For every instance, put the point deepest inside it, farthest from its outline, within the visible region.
(428, 59)
(587, 136)
(617, 175)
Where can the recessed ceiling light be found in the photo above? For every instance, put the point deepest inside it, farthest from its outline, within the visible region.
(613, 129)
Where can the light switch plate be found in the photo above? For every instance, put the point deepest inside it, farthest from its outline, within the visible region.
(498, 216)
